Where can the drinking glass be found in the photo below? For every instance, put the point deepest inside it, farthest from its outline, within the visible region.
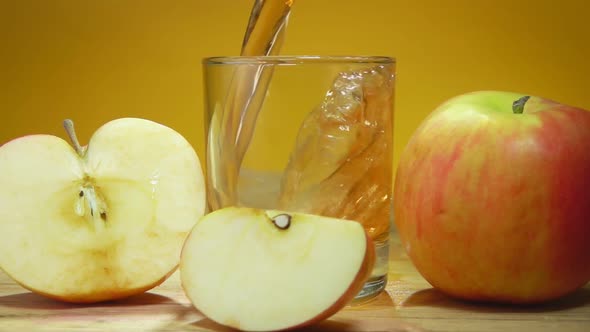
(311, 134)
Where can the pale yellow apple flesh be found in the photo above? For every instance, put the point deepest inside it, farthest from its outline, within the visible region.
(100, 226)
(260, 270)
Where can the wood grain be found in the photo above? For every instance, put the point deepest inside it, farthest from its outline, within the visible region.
(408, 304)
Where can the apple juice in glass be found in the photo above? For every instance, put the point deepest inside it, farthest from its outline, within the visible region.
(310, 134)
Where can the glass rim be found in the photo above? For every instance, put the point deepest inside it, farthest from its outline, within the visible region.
(296, 59)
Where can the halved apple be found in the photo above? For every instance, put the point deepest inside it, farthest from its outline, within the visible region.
(101, 222)
(261, 270)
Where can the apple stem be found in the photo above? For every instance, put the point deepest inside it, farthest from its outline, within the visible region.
(518, 105)
(69, 127)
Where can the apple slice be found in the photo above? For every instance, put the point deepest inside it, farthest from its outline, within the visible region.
(102, 222)
(260, 270)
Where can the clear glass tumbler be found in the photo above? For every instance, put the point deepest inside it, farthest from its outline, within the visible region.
(309, 134)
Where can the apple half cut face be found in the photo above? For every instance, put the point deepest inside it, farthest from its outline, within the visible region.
(101, 222)
(262, 270)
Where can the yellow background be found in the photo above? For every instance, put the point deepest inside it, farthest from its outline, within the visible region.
(98, 60)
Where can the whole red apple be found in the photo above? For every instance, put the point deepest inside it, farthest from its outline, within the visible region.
(492, 198)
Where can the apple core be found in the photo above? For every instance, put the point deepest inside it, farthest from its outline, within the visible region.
(88, 196)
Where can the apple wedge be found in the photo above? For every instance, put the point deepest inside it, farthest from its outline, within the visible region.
(102, 222)
(262, 270)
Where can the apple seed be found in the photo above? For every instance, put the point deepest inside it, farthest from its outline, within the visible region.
(282, 221)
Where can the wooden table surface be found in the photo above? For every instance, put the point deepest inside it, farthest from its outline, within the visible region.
(408, 304)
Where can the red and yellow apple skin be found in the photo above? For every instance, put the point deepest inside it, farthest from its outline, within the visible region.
(492, 205)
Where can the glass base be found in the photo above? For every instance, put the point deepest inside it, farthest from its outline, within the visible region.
(372, 288)
(378, 280)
